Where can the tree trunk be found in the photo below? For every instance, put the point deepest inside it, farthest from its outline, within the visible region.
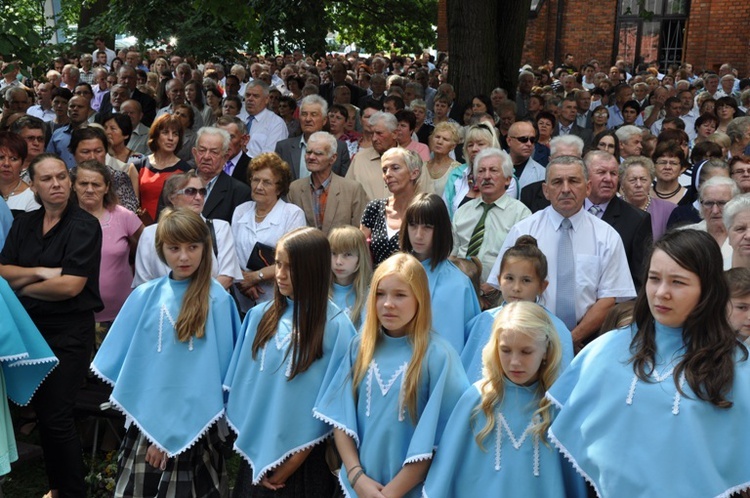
(89, 12)
(484, 45)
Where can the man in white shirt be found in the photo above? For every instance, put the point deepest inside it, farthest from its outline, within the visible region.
(265, 127)
(101, 47)
(43, 110)
(587, 279)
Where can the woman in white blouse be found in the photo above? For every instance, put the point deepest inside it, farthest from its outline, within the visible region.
(258, 224)
(187, 190)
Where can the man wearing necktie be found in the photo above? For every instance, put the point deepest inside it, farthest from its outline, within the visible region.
(265, 127)
(588, 268)
(632, 224)
(480, 225)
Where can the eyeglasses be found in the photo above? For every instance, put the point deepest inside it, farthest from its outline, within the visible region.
(741, 172)
(664, 162)
(524, 140)
(710, 204)
(257, 181)
(192, 191)
(34, 139)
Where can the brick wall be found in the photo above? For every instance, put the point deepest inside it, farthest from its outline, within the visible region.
(588, 32)
(717, 32)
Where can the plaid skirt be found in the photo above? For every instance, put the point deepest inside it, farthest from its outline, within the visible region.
(313, 479)
(198, 472)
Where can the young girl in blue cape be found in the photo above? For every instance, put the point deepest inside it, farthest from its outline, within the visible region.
(25, 360)
(288, 349)
(426, 233)
(523, 277)
(166, 355)
(496, 436)
(352, 272)
(660, 408)
(392, 395)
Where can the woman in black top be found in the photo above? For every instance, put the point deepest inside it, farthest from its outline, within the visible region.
(51, 260)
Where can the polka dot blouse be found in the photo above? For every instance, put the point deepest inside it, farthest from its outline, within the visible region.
(381, 246)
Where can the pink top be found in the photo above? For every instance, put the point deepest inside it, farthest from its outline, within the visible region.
(116, 274)
(421, 149)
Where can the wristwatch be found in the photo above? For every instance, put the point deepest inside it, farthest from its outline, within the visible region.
(260, 276)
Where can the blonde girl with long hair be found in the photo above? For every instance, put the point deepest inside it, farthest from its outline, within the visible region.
(496, 436)
(352, 272)
(389, 401)
(166, 355)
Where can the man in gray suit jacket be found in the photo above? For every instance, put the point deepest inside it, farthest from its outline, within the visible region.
(327, 199)
(566, 121)
(313, 116)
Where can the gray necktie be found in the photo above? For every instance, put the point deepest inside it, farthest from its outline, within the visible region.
(565, 304)
(595, 210)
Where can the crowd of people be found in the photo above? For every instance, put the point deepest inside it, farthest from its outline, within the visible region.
(322, 264)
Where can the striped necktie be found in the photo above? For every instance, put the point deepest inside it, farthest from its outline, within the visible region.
(477, 236)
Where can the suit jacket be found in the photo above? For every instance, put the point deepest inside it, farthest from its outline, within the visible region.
(147, 104)
(345, 204)
(634, 227)
(289, 150)
(326, 91)
(226, 194)
(532, 196)
(240, 170)
(582, 133)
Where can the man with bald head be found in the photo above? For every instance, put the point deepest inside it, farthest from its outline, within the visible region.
(521, 138)
(139, 138)
(127, 77)
(78, 114)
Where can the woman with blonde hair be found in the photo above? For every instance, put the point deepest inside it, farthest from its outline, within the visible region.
(443, 140)
(390, 398)
(520, 362)
(166, 356)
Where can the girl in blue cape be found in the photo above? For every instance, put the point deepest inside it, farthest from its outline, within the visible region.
(392, 395)
(426, 233)
(166, 355)
(495, 438)
(352, 272)
(288, 349)
(523, 277)
(660, 408)
(25, 360)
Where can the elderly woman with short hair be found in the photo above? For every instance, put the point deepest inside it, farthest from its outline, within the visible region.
(737, 220)
(636, 175)
(739, 135)
(714, 195)
(422, 130)
(381, 220)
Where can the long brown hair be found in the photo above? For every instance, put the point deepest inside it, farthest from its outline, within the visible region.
(710, 342)
(310, 266)
(177, 226)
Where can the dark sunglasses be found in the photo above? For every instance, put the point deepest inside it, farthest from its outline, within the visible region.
(525, 140)
(192, 191)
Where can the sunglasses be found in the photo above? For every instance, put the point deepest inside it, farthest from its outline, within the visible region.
(192, 191)
(525, 140)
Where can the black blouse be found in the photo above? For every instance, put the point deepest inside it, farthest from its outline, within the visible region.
(381, 246)
(74, 244)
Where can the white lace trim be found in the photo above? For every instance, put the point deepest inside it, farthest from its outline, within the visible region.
(502, 425)
(343, 486)
(419, 458)
(553, 400)
(374, 372)
(36, 362)
(286, 455)
(116, 404)
(736, 489)
(337, 425)
(103, 377)
(14, 357)
(564, 451)
(659, 379)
